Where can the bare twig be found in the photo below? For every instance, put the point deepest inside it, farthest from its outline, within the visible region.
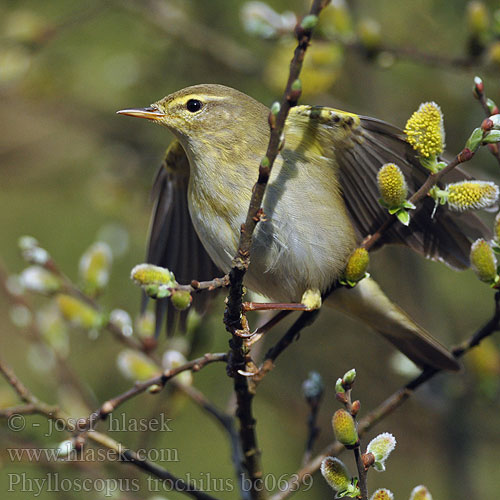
(160, 381)
(392, 403)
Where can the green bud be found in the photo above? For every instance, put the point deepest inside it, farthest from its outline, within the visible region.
(337, 476)
(483, 261)
(339, 386)
(420, 493)
(478, 88)
(381, 447)
(275, 108)
(492, 107)
(39, 280)
(382, 494)
(357, 266)
(344, 428)
(475, 140)
(265, 162)
(79, 313)
(136, 365)
(492, 137)
(349, 377)
(94, 267)
(309, 22)
(181, 299)
(297, 85)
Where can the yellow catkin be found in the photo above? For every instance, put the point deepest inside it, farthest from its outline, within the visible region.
(335, 474)
(357, 265)
(471, 194)
(424, 130)
(483, 260)
(420, 493)
(382, 494)
(392, 185)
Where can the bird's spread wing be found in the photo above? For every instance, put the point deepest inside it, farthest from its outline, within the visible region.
(173, 242)
(361, 146)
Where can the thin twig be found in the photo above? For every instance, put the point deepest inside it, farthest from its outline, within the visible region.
(391, 403)
(111, 404)
(233, 315)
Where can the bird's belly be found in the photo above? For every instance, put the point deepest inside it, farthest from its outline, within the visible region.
(303, 243)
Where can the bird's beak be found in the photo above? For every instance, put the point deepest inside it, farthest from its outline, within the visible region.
(150, 113)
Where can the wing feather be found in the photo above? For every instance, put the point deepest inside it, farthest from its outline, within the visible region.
(173, 242)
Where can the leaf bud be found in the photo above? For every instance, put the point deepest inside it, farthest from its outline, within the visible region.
(181, 299)
(344, 428)
(339, 386)
(349, 377)
(309, 22)
(478, 89)
(475, 139)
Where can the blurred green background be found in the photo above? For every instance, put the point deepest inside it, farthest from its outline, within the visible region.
(73, 172)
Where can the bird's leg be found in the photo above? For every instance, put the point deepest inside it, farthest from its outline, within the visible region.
(274, 306)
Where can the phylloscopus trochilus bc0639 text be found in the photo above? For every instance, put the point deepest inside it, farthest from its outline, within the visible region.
(321, 201)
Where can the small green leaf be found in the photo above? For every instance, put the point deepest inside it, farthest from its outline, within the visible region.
(492, 137)
(403, 216)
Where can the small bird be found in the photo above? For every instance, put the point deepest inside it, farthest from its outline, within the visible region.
(320, 202)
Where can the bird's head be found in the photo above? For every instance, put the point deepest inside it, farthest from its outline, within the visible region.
(207, 115)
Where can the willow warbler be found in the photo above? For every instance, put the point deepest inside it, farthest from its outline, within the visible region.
(321, 201)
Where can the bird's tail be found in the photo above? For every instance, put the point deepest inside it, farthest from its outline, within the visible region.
(367, 302)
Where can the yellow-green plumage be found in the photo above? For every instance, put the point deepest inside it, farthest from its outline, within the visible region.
(321, 200)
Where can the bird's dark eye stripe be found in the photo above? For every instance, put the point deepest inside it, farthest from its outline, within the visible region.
(193, 105)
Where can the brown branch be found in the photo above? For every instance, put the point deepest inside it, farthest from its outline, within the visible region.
(392, 403)
(34, 405)
(305, 319)
(140, 387)
(233, 315)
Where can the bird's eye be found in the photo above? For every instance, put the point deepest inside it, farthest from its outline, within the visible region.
(193, 105)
